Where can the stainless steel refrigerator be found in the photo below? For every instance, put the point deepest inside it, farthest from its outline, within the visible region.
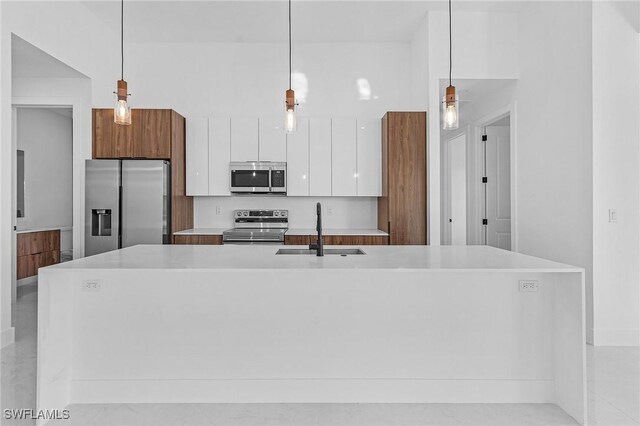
(127, 202)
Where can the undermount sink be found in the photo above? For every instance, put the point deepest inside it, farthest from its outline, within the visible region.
(327, 251)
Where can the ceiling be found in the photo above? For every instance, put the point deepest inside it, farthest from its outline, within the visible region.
(29, 61)
(255, 21)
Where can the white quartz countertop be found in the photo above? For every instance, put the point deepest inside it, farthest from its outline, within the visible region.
(290, 231)
(330, 231)
(202, 231)
(243, 257)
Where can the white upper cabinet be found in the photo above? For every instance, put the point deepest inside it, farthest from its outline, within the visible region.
(320, 156)
(197, 154)
(272, 139)
(343, 157)
(298, 160)
(219, 155)
(369, 155)
(244, 139)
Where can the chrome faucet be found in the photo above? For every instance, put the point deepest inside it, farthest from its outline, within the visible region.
(319, 245)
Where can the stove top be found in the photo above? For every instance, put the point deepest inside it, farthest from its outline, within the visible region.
(255, 226)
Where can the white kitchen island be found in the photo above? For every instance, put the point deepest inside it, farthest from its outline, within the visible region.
(241, 324)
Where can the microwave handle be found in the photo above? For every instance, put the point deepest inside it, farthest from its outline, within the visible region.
(270, 172)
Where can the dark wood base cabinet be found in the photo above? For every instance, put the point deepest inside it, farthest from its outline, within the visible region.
(36, 250)
(337, 240)
(197, 239)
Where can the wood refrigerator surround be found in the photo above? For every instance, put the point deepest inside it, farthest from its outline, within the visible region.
(153, 134)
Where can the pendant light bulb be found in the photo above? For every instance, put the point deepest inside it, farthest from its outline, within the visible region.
(122, 109)
(290, 112)
(450, 109)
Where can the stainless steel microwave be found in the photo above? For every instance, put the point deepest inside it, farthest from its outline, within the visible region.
(258, 177)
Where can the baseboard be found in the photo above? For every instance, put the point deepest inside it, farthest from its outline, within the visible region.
(8, 336)
(616, 337)
(312, 391)
(29, 280)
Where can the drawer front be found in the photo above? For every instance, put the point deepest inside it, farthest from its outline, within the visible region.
(356, 240)
(296, 240)
(198, 239)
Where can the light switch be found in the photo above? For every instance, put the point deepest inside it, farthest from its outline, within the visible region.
(613, 216)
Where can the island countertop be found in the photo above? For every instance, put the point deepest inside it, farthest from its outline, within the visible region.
(203, 257)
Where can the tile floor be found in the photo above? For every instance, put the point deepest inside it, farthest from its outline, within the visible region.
(613, 397)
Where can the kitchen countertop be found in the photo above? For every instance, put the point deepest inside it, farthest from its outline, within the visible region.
(334, 231)
(53, 228)
(234, 257)
(202, 231)
(291, 231)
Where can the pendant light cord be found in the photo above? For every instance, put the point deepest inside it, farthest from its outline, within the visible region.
(450, 43)
(289, 44)
(122, 38)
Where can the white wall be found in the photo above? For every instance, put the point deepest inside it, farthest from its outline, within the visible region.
(485, 46)
(616, 178)
(554, 134)
(337, 212)
(45, 136)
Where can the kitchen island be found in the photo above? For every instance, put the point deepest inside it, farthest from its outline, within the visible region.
(213, 324)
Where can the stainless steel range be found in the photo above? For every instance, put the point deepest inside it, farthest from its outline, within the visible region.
(257, 227)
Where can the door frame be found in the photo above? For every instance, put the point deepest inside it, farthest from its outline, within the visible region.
(478, 130)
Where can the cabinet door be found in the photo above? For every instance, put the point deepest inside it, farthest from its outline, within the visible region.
(244, 139)
(197, 156)
(298, 160)
(111, 140)
(320, 156)
(272, 139)
(153, 134)
(369, 157)
(343, 157)
(219, 155)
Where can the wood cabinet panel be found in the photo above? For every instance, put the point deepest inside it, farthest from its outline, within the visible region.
(197, 239)
(356, 240)
(402, 210)
(111, 140)
(296, 240)
(152, 137)
(36, 250)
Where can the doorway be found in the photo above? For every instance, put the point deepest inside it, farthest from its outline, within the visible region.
(495, 198)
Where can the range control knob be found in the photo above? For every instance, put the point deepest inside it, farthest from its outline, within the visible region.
(245, 213)
(276, 213)
(283, 213)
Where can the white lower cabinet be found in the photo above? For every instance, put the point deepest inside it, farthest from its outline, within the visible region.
(343, 157)
(219, 155)
(369, 157)
(197, 154)
(298, 160)
(320, 157)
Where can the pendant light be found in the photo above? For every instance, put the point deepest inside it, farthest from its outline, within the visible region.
(122, 110)
(450, 109)
(290, 96)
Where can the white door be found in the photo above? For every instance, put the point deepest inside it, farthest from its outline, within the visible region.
(197, 156)
(272, 139)
(320, 156)
(369, 157)
(343, 157)
(497, 187)
(244, 139)
(298, 159)
(219, 155)
(457, 183)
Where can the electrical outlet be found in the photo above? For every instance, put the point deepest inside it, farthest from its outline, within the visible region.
(91, 285)
(218, 210)
(613, 216)
(329, 210)
(528, 285)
